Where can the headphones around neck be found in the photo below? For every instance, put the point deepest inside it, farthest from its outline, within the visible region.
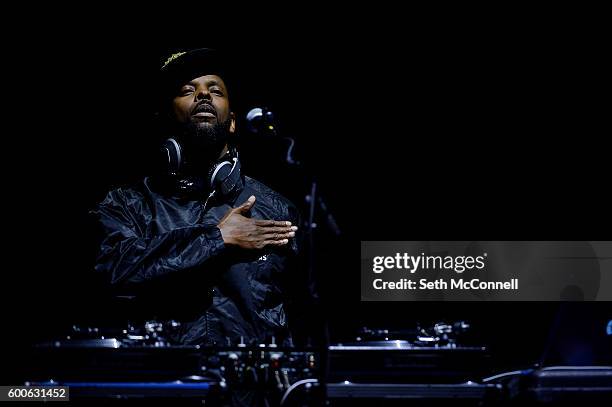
(223, 176)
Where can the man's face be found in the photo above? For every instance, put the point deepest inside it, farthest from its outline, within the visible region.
(203, 102)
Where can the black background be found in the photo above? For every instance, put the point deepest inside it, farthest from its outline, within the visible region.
(432, 132)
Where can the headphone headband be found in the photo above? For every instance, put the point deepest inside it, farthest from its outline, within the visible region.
(224, 176)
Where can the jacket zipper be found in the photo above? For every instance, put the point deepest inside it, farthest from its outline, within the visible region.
(207, 336)
(206, 202)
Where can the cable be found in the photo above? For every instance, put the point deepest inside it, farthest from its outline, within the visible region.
(512, 373)
(294, 386)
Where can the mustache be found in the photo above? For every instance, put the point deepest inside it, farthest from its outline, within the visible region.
(204, 107)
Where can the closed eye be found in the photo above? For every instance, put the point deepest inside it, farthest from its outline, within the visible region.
(186, 91)
(217, 91)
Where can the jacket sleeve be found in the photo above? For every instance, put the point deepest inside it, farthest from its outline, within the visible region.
(127, 256)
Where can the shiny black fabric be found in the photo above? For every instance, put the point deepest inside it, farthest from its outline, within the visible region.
(168, 254)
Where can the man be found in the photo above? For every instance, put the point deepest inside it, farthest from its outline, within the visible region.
(212, 255)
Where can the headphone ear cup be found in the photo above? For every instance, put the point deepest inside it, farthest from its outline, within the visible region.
(226, 177)
(219, 173)
(173, 155)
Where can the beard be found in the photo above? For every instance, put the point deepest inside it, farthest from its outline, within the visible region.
(203, 143)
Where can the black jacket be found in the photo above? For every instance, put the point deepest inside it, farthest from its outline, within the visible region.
(167, 252)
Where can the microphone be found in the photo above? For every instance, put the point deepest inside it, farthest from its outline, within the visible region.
(261, 121)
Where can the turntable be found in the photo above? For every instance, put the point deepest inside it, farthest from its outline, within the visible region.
(420, 355)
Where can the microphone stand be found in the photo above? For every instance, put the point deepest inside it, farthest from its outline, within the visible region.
(315, 202)
(314, 199)
(262, 122)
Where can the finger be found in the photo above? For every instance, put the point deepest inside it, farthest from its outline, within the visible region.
(279, 236)
(260, 222)
(246, 206)
(276, 229)
(275, 242)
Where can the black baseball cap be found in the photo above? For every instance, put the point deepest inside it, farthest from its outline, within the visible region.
(181, 67)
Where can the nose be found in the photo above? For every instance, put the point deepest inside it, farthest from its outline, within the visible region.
(203, 93)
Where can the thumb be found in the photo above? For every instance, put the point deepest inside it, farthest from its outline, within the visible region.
(245, 207)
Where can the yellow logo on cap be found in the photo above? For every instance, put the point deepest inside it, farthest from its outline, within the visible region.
(172, 58)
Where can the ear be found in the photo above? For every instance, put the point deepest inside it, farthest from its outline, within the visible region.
(232, 128)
